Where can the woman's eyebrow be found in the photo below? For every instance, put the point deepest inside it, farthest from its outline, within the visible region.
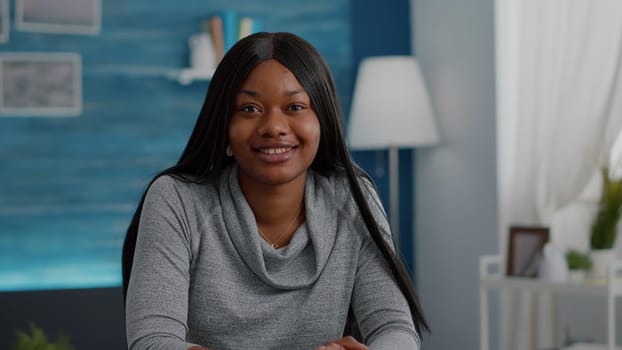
(250, 93)
(292, 92)
(257, 94)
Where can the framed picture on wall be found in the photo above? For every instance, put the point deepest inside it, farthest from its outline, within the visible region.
(40, 84)
(525, 250)
(4, 21)
(59, 16)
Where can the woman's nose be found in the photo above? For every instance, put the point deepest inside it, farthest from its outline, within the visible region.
(273, 123)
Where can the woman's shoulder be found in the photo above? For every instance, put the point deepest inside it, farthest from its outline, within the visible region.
(163, 184)
(169, 182)
(179, 185)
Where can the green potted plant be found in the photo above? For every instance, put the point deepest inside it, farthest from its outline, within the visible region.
(605, 225)
(578, 265)
(37, 340)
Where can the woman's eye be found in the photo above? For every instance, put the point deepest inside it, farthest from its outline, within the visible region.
(296, 108)
(249, 109)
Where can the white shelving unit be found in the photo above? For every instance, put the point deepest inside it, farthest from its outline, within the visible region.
(609, 288)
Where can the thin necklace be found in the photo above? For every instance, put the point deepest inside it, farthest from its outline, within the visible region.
(275, 244)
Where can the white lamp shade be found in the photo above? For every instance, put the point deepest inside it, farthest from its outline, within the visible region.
(391, 107)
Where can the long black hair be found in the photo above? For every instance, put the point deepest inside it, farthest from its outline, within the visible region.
(205, 154)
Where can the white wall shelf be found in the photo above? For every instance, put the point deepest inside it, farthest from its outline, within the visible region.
(183, 76)
(609, 288)
(188, 75)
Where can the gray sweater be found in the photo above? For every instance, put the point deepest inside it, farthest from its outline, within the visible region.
(203, 275)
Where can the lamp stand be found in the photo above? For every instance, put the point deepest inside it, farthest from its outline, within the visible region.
(394, 198)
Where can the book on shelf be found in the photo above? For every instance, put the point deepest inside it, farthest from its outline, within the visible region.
(216, 31)
(229, 28)
(248, 26)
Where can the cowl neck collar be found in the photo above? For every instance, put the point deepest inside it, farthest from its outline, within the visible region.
(298, 264)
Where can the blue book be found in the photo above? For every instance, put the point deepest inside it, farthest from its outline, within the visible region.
(229, 28)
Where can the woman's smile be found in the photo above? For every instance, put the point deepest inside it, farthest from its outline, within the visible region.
(276, 155)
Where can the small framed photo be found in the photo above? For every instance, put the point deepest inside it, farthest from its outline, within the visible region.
(4, 21)
(40, 84)
(525, 250)
(59, 16)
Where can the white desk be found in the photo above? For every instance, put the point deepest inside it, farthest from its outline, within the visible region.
(611, 288)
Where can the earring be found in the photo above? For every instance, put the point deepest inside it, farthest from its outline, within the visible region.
(228, 151)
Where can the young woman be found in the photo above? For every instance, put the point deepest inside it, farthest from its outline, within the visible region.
(265, 234)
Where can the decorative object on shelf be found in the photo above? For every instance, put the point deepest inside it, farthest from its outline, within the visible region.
(391, 109)
(601, 259)
(605, 226)
(4, 21)
(525, 249)
(37, 340)
(59, 16)
(553, 267)
(203, 56)
(202, 52)
(578, 265)
(40, 84)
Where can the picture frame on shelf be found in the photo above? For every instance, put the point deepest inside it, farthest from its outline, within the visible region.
(81, 17)
(5, 19)
(525, 249)
(40, 84)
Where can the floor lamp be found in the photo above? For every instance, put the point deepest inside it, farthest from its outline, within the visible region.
(391, 110)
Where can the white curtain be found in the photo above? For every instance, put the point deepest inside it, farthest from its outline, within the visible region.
(558, 110)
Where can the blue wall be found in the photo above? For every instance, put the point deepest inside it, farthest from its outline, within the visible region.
(68, 185)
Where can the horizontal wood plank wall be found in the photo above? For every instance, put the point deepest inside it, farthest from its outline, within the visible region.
(68, 185)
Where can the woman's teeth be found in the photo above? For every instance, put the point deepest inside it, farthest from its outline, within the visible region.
(275, 150)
